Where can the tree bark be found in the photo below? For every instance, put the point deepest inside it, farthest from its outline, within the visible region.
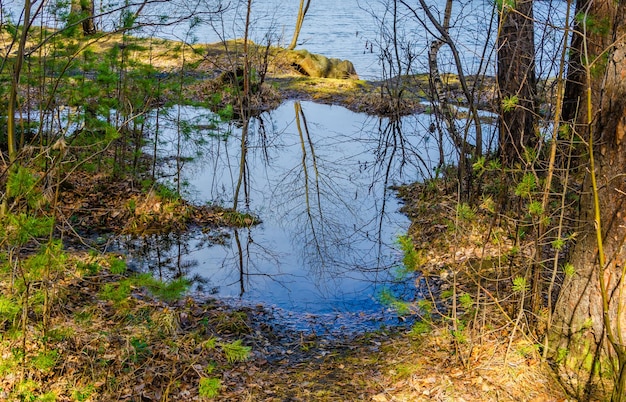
(596, 40)
(517, 86)
(516, 80)
(590, 313)
(83, 10)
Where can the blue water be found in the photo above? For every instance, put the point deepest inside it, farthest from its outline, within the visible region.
(356, 30)
(327, 242)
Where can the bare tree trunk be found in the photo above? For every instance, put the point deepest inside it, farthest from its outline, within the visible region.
(302, 10)
(15, 82)
(83, 10)
(439, 91)
(516, 80)
(596, 41)
(244, 102)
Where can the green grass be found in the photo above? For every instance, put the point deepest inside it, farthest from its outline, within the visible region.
(209, 387)
(235, 351)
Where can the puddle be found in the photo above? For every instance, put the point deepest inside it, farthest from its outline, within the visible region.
(326, 246)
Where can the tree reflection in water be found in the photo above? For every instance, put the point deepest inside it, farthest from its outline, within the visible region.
(319, 178)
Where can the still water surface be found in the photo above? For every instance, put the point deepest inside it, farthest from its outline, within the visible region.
(326, 244)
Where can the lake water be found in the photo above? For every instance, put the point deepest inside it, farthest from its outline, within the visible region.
(356, 30)
(361, 31)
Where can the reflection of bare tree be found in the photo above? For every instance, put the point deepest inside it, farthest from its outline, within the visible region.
(301, 117)
(242, 288)
(242, 165)
(323, 194)
(337, 232)
(391, 146)
(175, 255)
(247, 256)
(165, 255)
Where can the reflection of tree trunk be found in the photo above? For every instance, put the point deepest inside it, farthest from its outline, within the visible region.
(299, 116)
(242, 162)
(302, 10)
(156, 140)
(180, 269)
(242, 288)
(159, 258)
(393, 128)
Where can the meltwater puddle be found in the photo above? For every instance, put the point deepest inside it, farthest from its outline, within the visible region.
(318, 177)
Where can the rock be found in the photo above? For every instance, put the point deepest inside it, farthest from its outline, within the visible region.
(318, 66)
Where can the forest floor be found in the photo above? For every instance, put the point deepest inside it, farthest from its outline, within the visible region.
(114, 341)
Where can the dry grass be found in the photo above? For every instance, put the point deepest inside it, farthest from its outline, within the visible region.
(425, 370)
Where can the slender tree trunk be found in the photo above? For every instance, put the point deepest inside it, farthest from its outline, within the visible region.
(619, 393)
(439, 90)
(83, 10)
(302, 10)
(15, 82)
(244, 102)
